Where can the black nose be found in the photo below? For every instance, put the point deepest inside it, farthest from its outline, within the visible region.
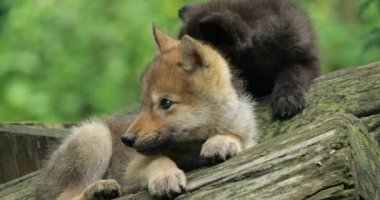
(128, 139)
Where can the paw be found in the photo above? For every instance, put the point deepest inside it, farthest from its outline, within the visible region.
(167, 184)
(220, 147)
(103, 190)
(287, 102)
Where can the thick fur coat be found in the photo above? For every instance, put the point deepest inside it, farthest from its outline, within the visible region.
(270, 43)
(187, 96)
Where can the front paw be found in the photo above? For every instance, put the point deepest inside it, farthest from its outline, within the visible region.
(221, 147)
(167, 184)
(102, 190)
(287, 102)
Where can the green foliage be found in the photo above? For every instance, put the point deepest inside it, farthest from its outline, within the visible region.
(369, 10)
(67, 60)
(344, 29)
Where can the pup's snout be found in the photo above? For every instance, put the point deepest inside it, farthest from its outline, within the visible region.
(128, 139)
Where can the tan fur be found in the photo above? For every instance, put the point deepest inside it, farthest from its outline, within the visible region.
(98, 186)
(206, 107)
(196, 92)
(84, 155)
(72, 193)
(164, 177)
(145, 171)
(163, 41)
(223, 145)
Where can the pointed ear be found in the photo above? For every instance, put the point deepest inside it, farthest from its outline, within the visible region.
(194, 55)
(163, 41)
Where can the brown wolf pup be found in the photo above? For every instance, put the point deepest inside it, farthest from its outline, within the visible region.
(187, 96)
(270, 42)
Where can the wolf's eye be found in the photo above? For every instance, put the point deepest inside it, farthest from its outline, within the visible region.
(165, 104)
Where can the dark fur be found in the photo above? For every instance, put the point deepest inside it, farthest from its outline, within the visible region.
(270, 42)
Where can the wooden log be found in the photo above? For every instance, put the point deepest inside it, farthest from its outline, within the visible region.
(355, 91)
(373, 126)
(324, 160)
(329, 151)
(23, 147)
(20, 188)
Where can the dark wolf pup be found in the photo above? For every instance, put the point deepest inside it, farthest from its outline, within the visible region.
(187, 95)
(270, 43)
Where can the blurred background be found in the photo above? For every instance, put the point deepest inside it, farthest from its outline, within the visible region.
(64, 61)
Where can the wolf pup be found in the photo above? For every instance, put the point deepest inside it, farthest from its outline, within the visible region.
(271, 43)
(187, 95)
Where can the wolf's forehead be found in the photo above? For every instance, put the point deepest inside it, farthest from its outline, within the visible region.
(166, 64)
(171, 56)
(165, 77)
(163, 68)
(167, 80)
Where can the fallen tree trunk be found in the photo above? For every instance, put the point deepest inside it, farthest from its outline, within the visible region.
(330, 159)
(329, 151)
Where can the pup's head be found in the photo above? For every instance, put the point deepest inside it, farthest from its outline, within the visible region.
(181, 91)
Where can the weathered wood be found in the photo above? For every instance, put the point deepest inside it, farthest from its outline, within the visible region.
(366, 157)
(355, 91)
(373, 126)
(313, 162)
(23, 147)
(329, 151)
(20, 188)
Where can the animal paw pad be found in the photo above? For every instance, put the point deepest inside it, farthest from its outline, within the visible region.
(167, 184)
(220, 148)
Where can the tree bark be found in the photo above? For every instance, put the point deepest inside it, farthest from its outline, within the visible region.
(329, 151)
(23, 147)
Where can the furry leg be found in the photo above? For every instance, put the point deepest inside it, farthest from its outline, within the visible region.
(288, 96)
(81, 159)
(160, 174)
(102, 190)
